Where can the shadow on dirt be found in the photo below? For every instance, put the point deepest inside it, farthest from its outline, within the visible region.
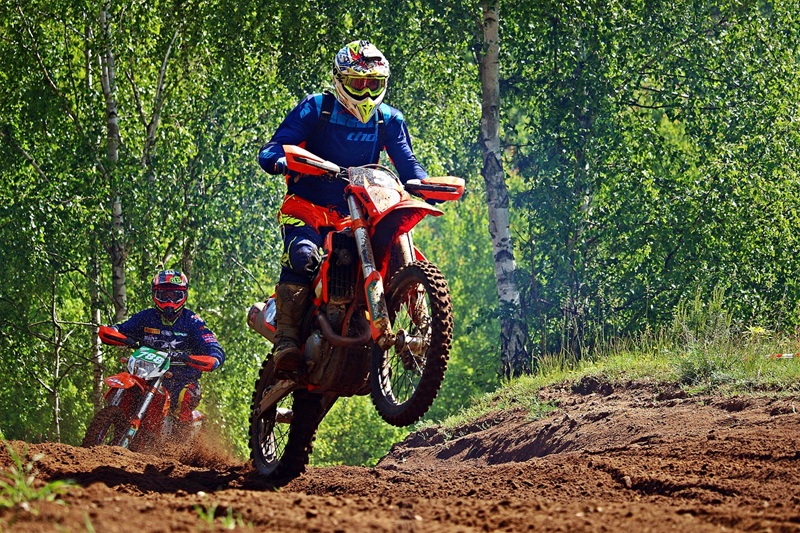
(163, 480)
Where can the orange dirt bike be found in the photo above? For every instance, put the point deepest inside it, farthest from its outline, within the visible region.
(137, 405)
(381, 322)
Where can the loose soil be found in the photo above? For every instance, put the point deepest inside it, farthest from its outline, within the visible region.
(634, 457)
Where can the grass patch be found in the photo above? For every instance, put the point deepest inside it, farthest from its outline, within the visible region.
(212, 517)
(18, 487)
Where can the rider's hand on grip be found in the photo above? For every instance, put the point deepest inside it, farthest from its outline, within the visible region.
(204, 363)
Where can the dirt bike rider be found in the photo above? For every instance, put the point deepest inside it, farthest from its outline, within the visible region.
(349, 130)
(170, 326)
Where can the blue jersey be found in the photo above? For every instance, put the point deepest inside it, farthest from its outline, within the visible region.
(188, 334)
(343, 140)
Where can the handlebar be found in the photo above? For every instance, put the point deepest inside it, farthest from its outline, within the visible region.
(204, 363)
(438, 188)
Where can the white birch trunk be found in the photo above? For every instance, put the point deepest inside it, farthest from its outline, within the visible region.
(513, 330)
(117, 249)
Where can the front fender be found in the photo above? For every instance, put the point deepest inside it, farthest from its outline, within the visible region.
(404, 216)
(123, 380)
(399, 220)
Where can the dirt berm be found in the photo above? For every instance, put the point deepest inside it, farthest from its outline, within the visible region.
(635, 457)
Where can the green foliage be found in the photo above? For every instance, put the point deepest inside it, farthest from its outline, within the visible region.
(18, 487)
(352, 433)
(659, 158)
(651, 153)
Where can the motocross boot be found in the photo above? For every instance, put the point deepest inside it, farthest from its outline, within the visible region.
(290, 304)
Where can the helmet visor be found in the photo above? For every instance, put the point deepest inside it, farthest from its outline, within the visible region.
(172, 296)
(358, 86)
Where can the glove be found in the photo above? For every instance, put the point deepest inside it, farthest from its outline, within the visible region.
(280, 166)
(204, 363)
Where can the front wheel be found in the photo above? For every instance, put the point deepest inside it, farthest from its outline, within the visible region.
(108, 426)
(406, 378)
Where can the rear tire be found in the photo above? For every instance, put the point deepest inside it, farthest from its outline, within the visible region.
(108, 426)
(405, 380)
(269, 430)
(307, 413)
(281, 439)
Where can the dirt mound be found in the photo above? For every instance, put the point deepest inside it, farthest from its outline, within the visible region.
(635, 457)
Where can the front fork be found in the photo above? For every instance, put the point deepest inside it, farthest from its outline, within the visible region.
(136, 421)
(380, 324)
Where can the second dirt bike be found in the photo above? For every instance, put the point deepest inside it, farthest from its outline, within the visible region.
(136, 409)
(381, 322)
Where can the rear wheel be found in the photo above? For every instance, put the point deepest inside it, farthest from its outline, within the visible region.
(269, 427)
(307, 413)
(406, 378)
(108, 426)
(282, 431)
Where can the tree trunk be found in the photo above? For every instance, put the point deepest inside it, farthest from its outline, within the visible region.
(57, 343)
(95, 306)
(117, 249)
(513, 330)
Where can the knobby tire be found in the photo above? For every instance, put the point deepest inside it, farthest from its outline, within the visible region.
(108, 426)
(287, 450)
(403, 394)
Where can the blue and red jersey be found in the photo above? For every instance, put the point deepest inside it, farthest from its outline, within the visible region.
(343, 140)
(188, 334)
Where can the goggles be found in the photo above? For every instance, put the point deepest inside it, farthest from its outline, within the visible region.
(358, 86)
(170, 295)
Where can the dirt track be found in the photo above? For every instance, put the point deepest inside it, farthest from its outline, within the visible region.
(634, 458)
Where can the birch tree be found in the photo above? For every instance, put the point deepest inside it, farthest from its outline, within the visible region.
(515, 357)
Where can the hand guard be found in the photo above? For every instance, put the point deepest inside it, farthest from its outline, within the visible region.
(204, 363)
(416, 183)
(110, 335)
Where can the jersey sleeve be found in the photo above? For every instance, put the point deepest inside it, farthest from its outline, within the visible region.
(204, 342)
(295, 129)
(134, 326)
(398, 148)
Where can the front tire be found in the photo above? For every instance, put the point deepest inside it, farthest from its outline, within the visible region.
(108, 427)
(406, 378)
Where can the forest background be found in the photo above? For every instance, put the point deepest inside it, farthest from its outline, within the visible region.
(650, 150)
